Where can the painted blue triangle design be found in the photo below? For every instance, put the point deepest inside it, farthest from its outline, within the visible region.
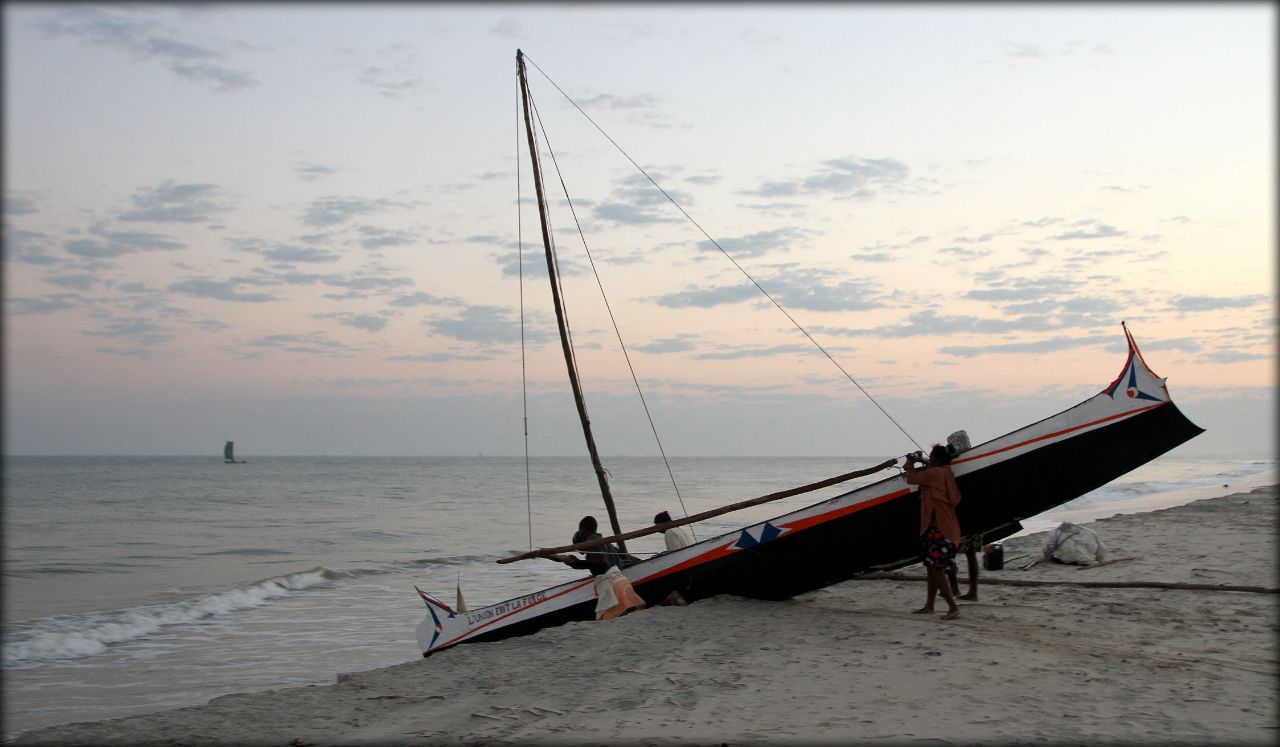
(745, 540)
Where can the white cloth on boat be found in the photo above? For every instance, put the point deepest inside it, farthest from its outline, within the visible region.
(615, 595)
(677, 537)
(1074, 544)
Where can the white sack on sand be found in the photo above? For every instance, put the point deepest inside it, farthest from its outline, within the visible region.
(1075, 545)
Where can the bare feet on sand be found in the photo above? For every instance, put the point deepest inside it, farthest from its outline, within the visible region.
(952, 615)
(970, 597)
(923, 611)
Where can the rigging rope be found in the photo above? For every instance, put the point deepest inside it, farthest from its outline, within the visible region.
(726, 254)
(608, 307)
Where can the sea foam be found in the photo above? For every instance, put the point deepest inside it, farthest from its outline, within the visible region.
(89, 634)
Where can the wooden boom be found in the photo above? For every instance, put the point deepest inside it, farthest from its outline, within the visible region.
(544, 552)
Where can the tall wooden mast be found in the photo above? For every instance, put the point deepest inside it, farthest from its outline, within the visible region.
(560, 318)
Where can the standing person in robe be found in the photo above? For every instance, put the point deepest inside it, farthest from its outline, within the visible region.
(939, 527)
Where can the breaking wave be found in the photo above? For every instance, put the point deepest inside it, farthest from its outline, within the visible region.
(82, 635)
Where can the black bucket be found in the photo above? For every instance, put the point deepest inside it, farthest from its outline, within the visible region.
(993, 557)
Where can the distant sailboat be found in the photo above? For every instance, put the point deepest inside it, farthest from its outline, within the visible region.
(229, 454)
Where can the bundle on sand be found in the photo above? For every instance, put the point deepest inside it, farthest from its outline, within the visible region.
(1075, 545)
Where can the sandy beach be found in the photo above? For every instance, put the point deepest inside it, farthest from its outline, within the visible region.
(1067, 658)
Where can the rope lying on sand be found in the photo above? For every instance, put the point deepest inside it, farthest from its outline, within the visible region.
(987, 580)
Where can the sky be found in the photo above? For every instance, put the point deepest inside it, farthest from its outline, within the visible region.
(309, 228)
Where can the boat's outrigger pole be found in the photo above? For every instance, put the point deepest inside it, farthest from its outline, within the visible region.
(560, 318)
(549, 551)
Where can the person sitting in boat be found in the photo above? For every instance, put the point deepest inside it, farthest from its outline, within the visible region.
(676, 537)
(939, 527)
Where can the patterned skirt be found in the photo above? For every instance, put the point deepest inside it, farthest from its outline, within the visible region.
(939, 552)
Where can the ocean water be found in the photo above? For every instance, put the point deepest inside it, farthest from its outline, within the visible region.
(135, 584)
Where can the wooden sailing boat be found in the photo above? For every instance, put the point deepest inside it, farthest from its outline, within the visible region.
(229, 454)
(1005, 480)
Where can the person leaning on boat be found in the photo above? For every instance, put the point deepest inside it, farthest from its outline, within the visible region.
(614, 594)
(598, 559)
(939, 527)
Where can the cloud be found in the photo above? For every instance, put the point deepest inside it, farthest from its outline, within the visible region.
(138, 329)
(174, 203)
(309, 344)
(1034, 346)
(759, 243)
(440, 357)
(81, 282)
(486, 324)
(609, 101)
(681, 343)
(507, 28)
(861, 178)
(391, 82)
(368, 322)
(727, 352)
(707, 297)
(422, 299)
(375, 238)
(1187, 304)
(286, 253)
(359, 285)
(535, 264)
(640, 109)
(21, 305)
(962, 254)
(636, 201)
(930, 322)
(331, 211)
(1025, 50)
(28, 247)
(794, 288)
(116, 243)
(20, 203)
(1232, 356)
(804, 290)
(1098, 231)
(1185, 344)
(630, 214)
(1024, 289)
(222, 290)
(147, 41)
(313, 171)
(1124, 189)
